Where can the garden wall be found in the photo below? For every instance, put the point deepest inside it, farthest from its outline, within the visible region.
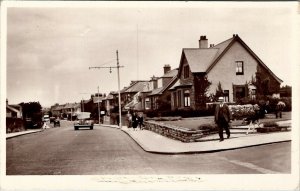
(175, 132)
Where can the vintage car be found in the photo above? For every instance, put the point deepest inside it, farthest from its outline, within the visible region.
(84, 121)
(56, 122)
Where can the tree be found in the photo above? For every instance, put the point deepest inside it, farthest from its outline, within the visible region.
(202, 85)
(219, 91)
(32, 111)
(31, 108)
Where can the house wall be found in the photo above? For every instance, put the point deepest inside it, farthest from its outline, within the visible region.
(274, 85)
(189, 80)
(225, 70)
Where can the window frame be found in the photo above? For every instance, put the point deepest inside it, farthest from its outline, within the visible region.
(226, 95)
(187, 98)
(237, 68)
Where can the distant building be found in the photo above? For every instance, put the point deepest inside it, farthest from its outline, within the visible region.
(14, 111)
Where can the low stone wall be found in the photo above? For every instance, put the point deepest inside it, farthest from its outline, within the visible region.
(174, 132)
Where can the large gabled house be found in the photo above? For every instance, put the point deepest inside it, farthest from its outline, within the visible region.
(231, 63)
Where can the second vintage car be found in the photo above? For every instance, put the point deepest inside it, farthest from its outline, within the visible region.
(84, 121)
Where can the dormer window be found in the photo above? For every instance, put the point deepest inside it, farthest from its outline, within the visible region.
(186, 71)
(239, 68)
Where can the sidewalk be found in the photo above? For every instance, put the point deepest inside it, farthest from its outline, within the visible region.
(155, 143)
(16, 134)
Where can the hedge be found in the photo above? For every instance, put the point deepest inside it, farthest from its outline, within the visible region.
(181, 113)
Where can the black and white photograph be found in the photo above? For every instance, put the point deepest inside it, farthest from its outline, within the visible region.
(149, 95)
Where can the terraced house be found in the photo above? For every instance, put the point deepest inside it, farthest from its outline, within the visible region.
(231, 63)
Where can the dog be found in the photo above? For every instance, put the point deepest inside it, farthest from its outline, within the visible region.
(252, 121)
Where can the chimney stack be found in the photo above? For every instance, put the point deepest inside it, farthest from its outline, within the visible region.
(167, 68)
(154, 82)
(203, 42)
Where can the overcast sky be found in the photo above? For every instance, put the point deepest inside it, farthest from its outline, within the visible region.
(49, 50)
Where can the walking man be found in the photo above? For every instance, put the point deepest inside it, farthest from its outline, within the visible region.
(134, 121)
(222, 118)
(141, 121)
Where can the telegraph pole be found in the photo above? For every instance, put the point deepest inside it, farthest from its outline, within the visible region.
(98, 107)
(118, 71)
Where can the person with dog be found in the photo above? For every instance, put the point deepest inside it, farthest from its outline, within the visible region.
(222, 118)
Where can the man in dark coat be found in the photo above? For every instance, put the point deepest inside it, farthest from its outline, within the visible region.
(222, 118)
(140, 120)
(134, 120)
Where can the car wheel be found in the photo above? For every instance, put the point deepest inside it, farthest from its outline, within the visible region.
(76, 128)
(91, 128)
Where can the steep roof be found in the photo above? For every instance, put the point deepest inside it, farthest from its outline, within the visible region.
(138, 86)
(171, 73)
(156, 91)
(161, 90)
(204, 59)
(199, 59)
(12, 109)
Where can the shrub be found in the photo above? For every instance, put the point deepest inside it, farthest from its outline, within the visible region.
(242, 111)
(14, 125)
(270, 124)
(208, 126)
(181, 113)
(288, 103)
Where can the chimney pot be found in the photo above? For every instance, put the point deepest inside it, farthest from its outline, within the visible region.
(167, 68)
(203, 42)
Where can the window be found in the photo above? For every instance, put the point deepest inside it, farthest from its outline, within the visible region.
(187, 99)
(186, 71)
(226, 95)
(253, 94)
(147, 103)
(239, 68)
(240, 92)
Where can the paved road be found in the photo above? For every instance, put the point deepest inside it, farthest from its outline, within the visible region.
(104, 150)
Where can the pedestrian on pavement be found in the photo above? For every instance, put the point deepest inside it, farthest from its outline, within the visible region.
(118, 119)
(141, 121)
(134, 120)
(129, 119)
(279, 108)
(222, 118)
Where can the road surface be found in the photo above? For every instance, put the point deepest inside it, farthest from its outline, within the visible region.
(109, 151)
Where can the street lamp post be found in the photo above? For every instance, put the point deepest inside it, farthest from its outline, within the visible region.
(118, 71)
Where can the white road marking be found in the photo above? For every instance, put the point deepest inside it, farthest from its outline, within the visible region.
(252, 166)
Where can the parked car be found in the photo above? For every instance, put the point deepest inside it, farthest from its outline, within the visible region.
(84, 121)
(56, 122)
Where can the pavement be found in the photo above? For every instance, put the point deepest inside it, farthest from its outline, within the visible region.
(155, 143)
